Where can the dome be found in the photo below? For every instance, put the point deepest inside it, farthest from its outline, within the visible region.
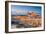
(32, 14)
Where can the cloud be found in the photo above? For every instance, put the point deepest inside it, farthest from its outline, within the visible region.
(19, 12)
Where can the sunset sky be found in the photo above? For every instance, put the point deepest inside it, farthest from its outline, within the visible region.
(23, 10)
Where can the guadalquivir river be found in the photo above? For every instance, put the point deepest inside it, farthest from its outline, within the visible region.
(19, 24)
